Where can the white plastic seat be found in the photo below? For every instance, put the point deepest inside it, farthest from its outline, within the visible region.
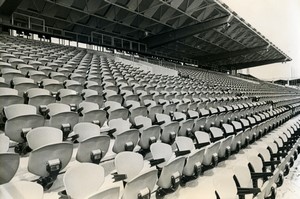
(42, 136)
(9, 164)
(125, 138)
(116, 110)
(169, 128)
(21, 189)
(83, 179)
(92, 113)
(186, 125)
(38, 96)
(153, 108)
(22, 84)
(61, 116)
(172, 167)
(194, 159)
(149, 133)
(48, 149)
(68, 96)
(8, 74)
(130, 169)
(211, 149)
(73, 85)
(20, 117)
(52, 85)
(92, 146)
(93, 96)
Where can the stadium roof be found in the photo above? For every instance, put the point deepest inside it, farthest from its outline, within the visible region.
(206, 32)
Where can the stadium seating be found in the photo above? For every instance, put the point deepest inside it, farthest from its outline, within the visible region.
(84, 115)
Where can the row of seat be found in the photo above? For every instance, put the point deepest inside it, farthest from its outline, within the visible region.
(196, 122)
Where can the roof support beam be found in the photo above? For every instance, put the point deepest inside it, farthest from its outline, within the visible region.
(253, 63)
(181, 33)
(215, 57)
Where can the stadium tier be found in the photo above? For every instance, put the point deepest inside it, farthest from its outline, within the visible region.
(79, 123)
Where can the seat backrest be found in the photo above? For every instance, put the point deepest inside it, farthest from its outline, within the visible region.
(42, 136)
(88, 106)
(145, 121)
(22, 189)
(32, 92)
(55, 108)
(202, 137)
(119, 124)
(83, 179)
(146, 180)
(184, 143)
(86, 130)
(243, 175)
(16, 110)
(9, 164)
(22, 80)
(132, 168)
(225, 185)
(8, 91)
(65, 92)
(4, 143)
(161, 150)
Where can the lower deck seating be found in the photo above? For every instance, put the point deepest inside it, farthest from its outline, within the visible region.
(78, 124)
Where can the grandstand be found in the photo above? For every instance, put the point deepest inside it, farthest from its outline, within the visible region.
(138, 100)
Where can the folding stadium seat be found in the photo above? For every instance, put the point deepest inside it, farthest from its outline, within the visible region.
(25, 68)
(140, 178)
(89, 186)
(5, 65)
(135, 109)
(211, 149)
(226, 188)
(8, 97)
(37, 76)
(91, 113)
(68, 96)
(90, 95)
(8, 74)
(66, 71)
(218, 135)
(61, 117)
(193, 163)
(15, 61)
(93, 85)
(92, 146)
(49, 154)
(73, 85)
(58, 76)
(169, 128)
(22, 84)
(116, 110)
(129, 95)
(199, 124)
(20, 118)
(181, 106)
(9, 162)
(125, 138)
(112, 95)
(171, 168)
(21, 189)
(45, 69)
(149, 133)
(38, 97)
(52, 85)
(35, 63)
(185, 125)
